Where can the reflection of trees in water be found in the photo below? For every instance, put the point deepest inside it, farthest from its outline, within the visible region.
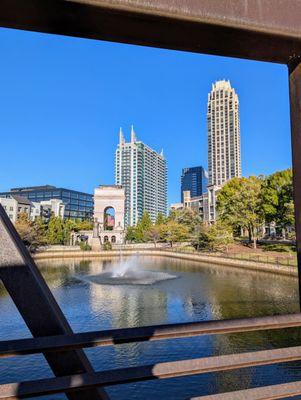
(228, 381)
(3, 292)
(254, 341)
(84, 264)
(57, 272)
(252, 294)
(60, 272)
(203, 292)
(233, 293)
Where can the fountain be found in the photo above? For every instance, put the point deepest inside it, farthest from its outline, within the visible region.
(128, 272)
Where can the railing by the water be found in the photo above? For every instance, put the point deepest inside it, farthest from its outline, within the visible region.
(262, 258)
(165, 370)
(290, 260)
(62, 348)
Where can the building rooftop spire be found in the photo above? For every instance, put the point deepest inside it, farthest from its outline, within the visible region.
(133, 134)
(121, 137)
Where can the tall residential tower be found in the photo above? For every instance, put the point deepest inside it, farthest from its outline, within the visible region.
(143, 174)
(224, 160)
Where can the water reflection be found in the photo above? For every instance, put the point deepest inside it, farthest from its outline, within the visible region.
(200, 293)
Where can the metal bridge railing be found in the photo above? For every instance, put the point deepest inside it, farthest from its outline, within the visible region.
(75, 376)
(164, 370)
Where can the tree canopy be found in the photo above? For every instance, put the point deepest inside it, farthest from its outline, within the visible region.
(173, 232)
(250, 202)
(33, 234)
(277, 193)
(212, 237)
(240, 204)
(187, 217)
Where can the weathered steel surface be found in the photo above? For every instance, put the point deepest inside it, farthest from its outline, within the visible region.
(295, 110)
(272, 16)
(283, 391)
(267, 30)
(37, 305)
(149, 372)
(148, 333)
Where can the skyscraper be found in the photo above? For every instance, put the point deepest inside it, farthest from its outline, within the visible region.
(143, 174)
(224, 160)
(193, 179)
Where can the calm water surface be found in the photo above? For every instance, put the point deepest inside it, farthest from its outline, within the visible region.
(199, 293)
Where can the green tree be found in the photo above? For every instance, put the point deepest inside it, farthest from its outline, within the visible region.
(56, 233)
(161, 219)
(85, 225)
(240, 205)
(145, 222)
(131, 234)
(187, 217)
(289, 214)
(69, 225)
(142, 227)
(213, 237)
(154, 233)
(277, 193)
(173, 232)
(32, 233)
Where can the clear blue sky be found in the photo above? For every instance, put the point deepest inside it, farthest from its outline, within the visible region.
(62, 101)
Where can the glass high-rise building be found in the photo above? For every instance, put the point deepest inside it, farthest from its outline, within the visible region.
(193, 179)
(224, 161)
(143, 174)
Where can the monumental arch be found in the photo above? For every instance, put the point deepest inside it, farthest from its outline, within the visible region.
(109, 201)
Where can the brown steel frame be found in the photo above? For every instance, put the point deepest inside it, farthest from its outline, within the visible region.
(264, 30)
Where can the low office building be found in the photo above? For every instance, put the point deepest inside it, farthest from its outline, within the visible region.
(204, 205)
(47, 208)
(16, 205)
(78, 205)
(176, 206)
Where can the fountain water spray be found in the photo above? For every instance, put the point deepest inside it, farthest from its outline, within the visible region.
(121, 268)
(128, 271)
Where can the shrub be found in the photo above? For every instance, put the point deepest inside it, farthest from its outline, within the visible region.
(107, 246)
(85, 246)
(281, 248)
(190, 249)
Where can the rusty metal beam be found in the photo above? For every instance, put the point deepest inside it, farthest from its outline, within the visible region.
(149, 372)
(37, 306)
(272, 392)
(148, 333)
(295, 111)
(267, 30)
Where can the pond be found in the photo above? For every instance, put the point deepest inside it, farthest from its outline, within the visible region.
(184, 291)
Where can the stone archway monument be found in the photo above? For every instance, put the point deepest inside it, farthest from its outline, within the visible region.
(108, 197)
